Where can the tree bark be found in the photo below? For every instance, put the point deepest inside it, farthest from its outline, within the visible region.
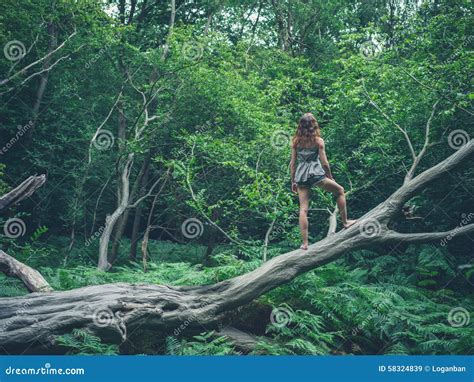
(32, 279)
(117, 312)
(111, 220)
(139, 187)
(23, 191)
(53, 43)
(242, 341)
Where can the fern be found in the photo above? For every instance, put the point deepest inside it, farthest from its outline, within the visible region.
(203, 344)
(81, 342)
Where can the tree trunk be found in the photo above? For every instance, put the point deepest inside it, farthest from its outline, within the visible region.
(53, 43)
(138, 210)
(116, 312)
(111, 220)
(137, 220)
(242, 341)
(23, 191)
(332, 221)
(32, 279)
(139, 184)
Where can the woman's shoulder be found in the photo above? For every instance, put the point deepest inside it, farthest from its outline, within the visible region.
(320, 142)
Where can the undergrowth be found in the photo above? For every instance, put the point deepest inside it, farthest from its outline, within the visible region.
(364, 308)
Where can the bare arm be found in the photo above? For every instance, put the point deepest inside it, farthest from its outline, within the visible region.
(293, 164)
(323, 158)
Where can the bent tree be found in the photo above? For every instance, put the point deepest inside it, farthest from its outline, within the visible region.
(117, 312)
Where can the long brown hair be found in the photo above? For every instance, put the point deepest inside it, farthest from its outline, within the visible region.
(307, 131)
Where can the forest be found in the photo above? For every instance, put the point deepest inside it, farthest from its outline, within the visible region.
(145, 191)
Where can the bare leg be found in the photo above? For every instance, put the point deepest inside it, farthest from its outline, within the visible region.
(303, 194)
(338, 191)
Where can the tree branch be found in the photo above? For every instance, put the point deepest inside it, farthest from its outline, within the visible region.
(32, 279)
(404, 193)
(425, 237)
(426, 144)
(24, 190)
(6, 80)
(403, 131)
(163, 308)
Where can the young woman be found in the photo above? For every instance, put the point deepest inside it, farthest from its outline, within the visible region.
(310, 167)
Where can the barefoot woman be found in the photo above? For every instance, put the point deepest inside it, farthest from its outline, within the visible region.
(310, 167)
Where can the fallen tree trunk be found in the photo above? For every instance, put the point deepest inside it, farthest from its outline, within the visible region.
(242, 341)
(117, 312)
(24, 190)
(32, 279)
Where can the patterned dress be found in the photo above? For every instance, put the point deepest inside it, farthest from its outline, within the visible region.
(309, 170)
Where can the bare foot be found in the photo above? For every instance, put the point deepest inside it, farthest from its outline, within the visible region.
(304, 247)
(349, 223)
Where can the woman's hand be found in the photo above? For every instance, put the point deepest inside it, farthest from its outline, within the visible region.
(294, 187)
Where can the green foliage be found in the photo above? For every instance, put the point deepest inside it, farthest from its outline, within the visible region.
(304, 333)
(223, 93)
(203, 344)
(10, 287)
(362, 318)
(80, 342)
